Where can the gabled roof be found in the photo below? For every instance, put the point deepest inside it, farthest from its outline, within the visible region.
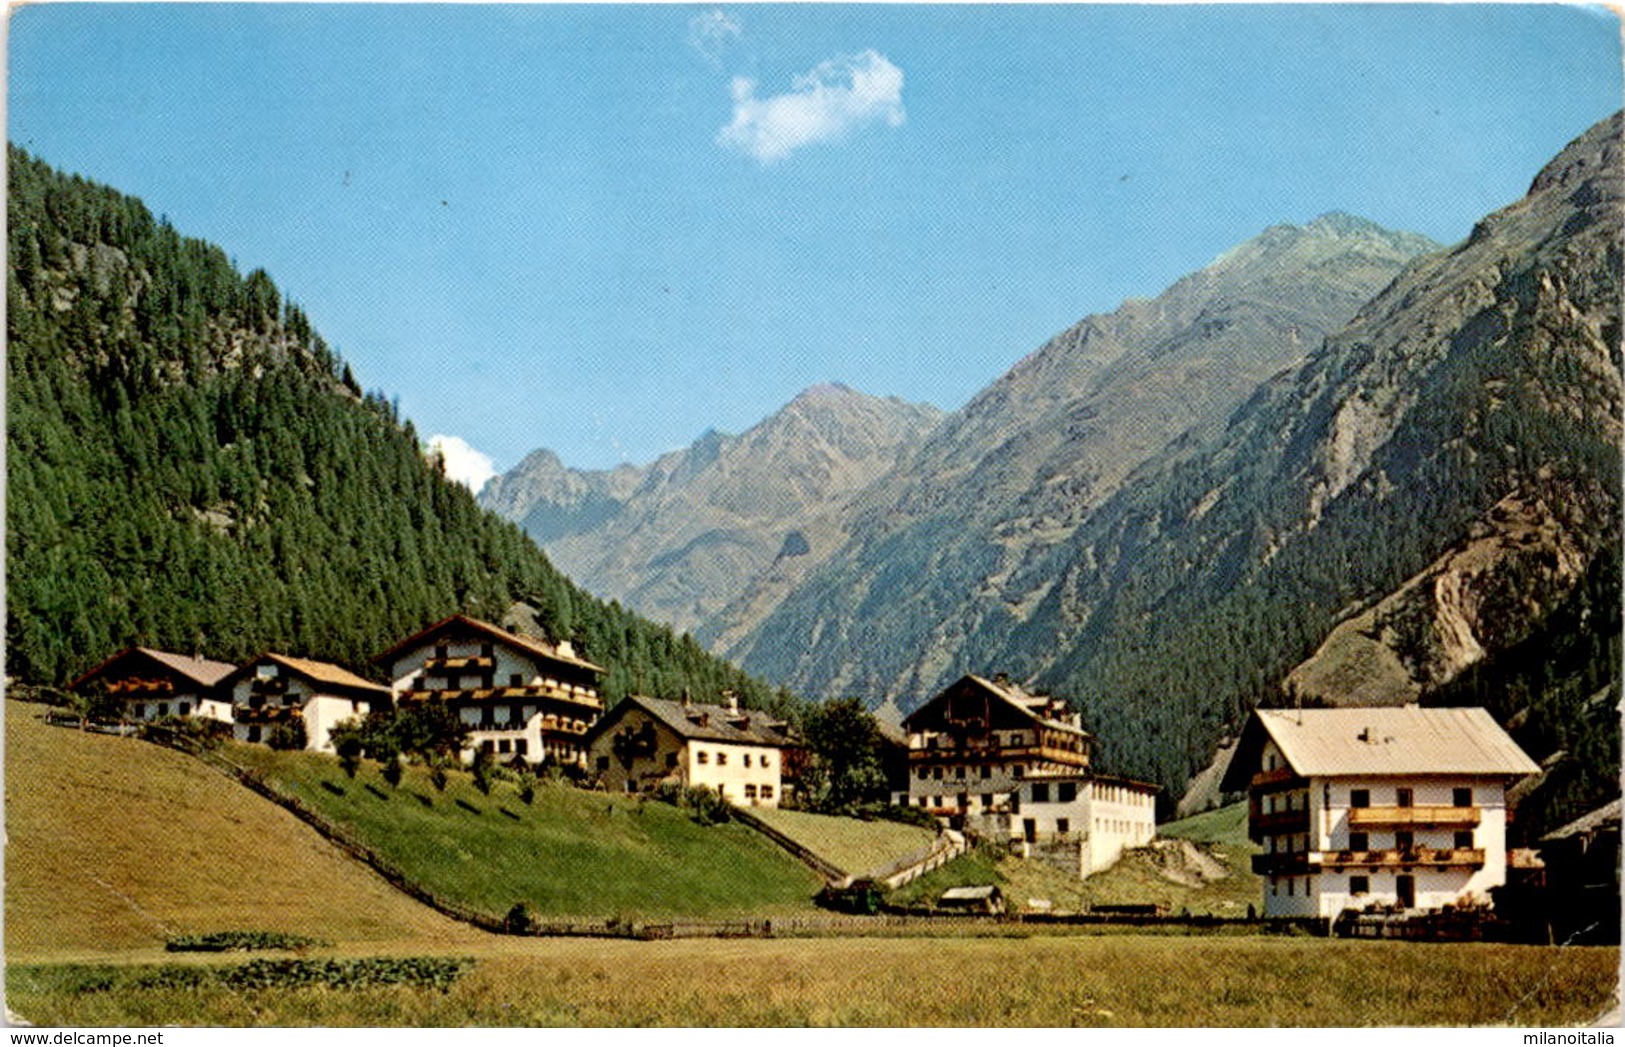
(324, 673)
(695, 721)
(497, 634)
(1031, 706)
(1378, 741)
(201, 671)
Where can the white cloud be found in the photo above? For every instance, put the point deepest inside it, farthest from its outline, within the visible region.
(832, 99)
(464, 464)
(711, 33)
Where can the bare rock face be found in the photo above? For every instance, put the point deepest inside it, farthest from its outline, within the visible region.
(683, 537)
(1488, 593)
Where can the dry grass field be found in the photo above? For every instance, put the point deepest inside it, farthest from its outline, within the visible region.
(1041, 981)
(852, 845)
(115, 844)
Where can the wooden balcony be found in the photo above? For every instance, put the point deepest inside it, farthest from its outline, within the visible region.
(544, 692)
(134, 688)
(469, 663)
(1420, 817)
(1297, 863)
(1277, 823)
(1280, 778)
(1427, 857)
(975, 755)
(248, 714)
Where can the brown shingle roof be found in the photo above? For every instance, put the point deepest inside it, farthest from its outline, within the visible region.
(201, 671)
(537, 647)
(700, 722)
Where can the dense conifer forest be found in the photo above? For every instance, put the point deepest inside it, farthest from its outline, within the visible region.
(191, 467)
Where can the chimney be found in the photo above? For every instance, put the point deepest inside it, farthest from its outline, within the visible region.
(566, 649)
(732, 701)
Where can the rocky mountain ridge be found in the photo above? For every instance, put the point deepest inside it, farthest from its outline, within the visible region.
(686, 534)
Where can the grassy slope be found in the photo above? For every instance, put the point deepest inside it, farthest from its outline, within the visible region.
(113, 844)
(1137, 878)
(568, 853)
(1097, 981)
(850, 844)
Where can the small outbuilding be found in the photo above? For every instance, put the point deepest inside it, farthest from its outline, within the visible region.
(984, 898)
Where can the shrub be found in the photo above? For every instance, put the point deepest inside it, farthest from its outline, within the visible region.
(287, 735)
(240, 941)
(393, 772)
(520, 919)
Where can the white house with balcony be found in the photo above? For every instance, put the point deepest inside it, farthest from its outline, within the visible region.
(644, 742)
(520, 697)
(274, 690)
(148, 684)
(971, 747)
(1394, 806)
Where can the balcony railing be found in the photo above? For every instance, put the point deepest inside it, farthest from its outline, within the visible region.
(483, 694)
(1279, 776)
(1437, 857)
(473, 661)
(1296, 863)
(248, 714)
(1279, 822)
(1387, 817)
(979, 754)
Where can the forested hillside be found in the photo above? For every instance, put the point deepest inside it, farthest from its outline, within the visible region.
(190, 467)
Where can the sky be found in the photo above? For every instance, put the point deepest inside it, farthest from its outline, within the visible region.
(605, 229)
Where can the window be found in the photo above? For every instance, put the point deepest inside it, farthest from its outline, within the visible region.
(1359, 842)
(767, 792)
(1018, 770)
(747, 762)
(504, 746)
(702, 757)
(1291, 885)
(763, 762)
(1063, 826)
(140, 711)
(1066, 792)
(441, 651)
(1462, 797)
(486, 651)
(936, 772)
(516, 680)
(722, 759)
(1402, 797)
(1040, 792)
(185, 707)
(1464, 839)
(1359, 885)
(987, 772)
(520, 745)
(163, 708)
(1359, 797)
(671, 759)
(750, 792)
(1404, 840)
(488, 746)
(254, 733)
(923, 773)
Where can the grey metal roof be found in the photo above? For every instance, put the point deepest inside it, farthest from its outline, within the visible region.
(1409, 740)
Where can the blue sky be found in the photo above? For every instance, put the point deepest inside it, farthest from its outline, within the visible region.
(604, 229)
